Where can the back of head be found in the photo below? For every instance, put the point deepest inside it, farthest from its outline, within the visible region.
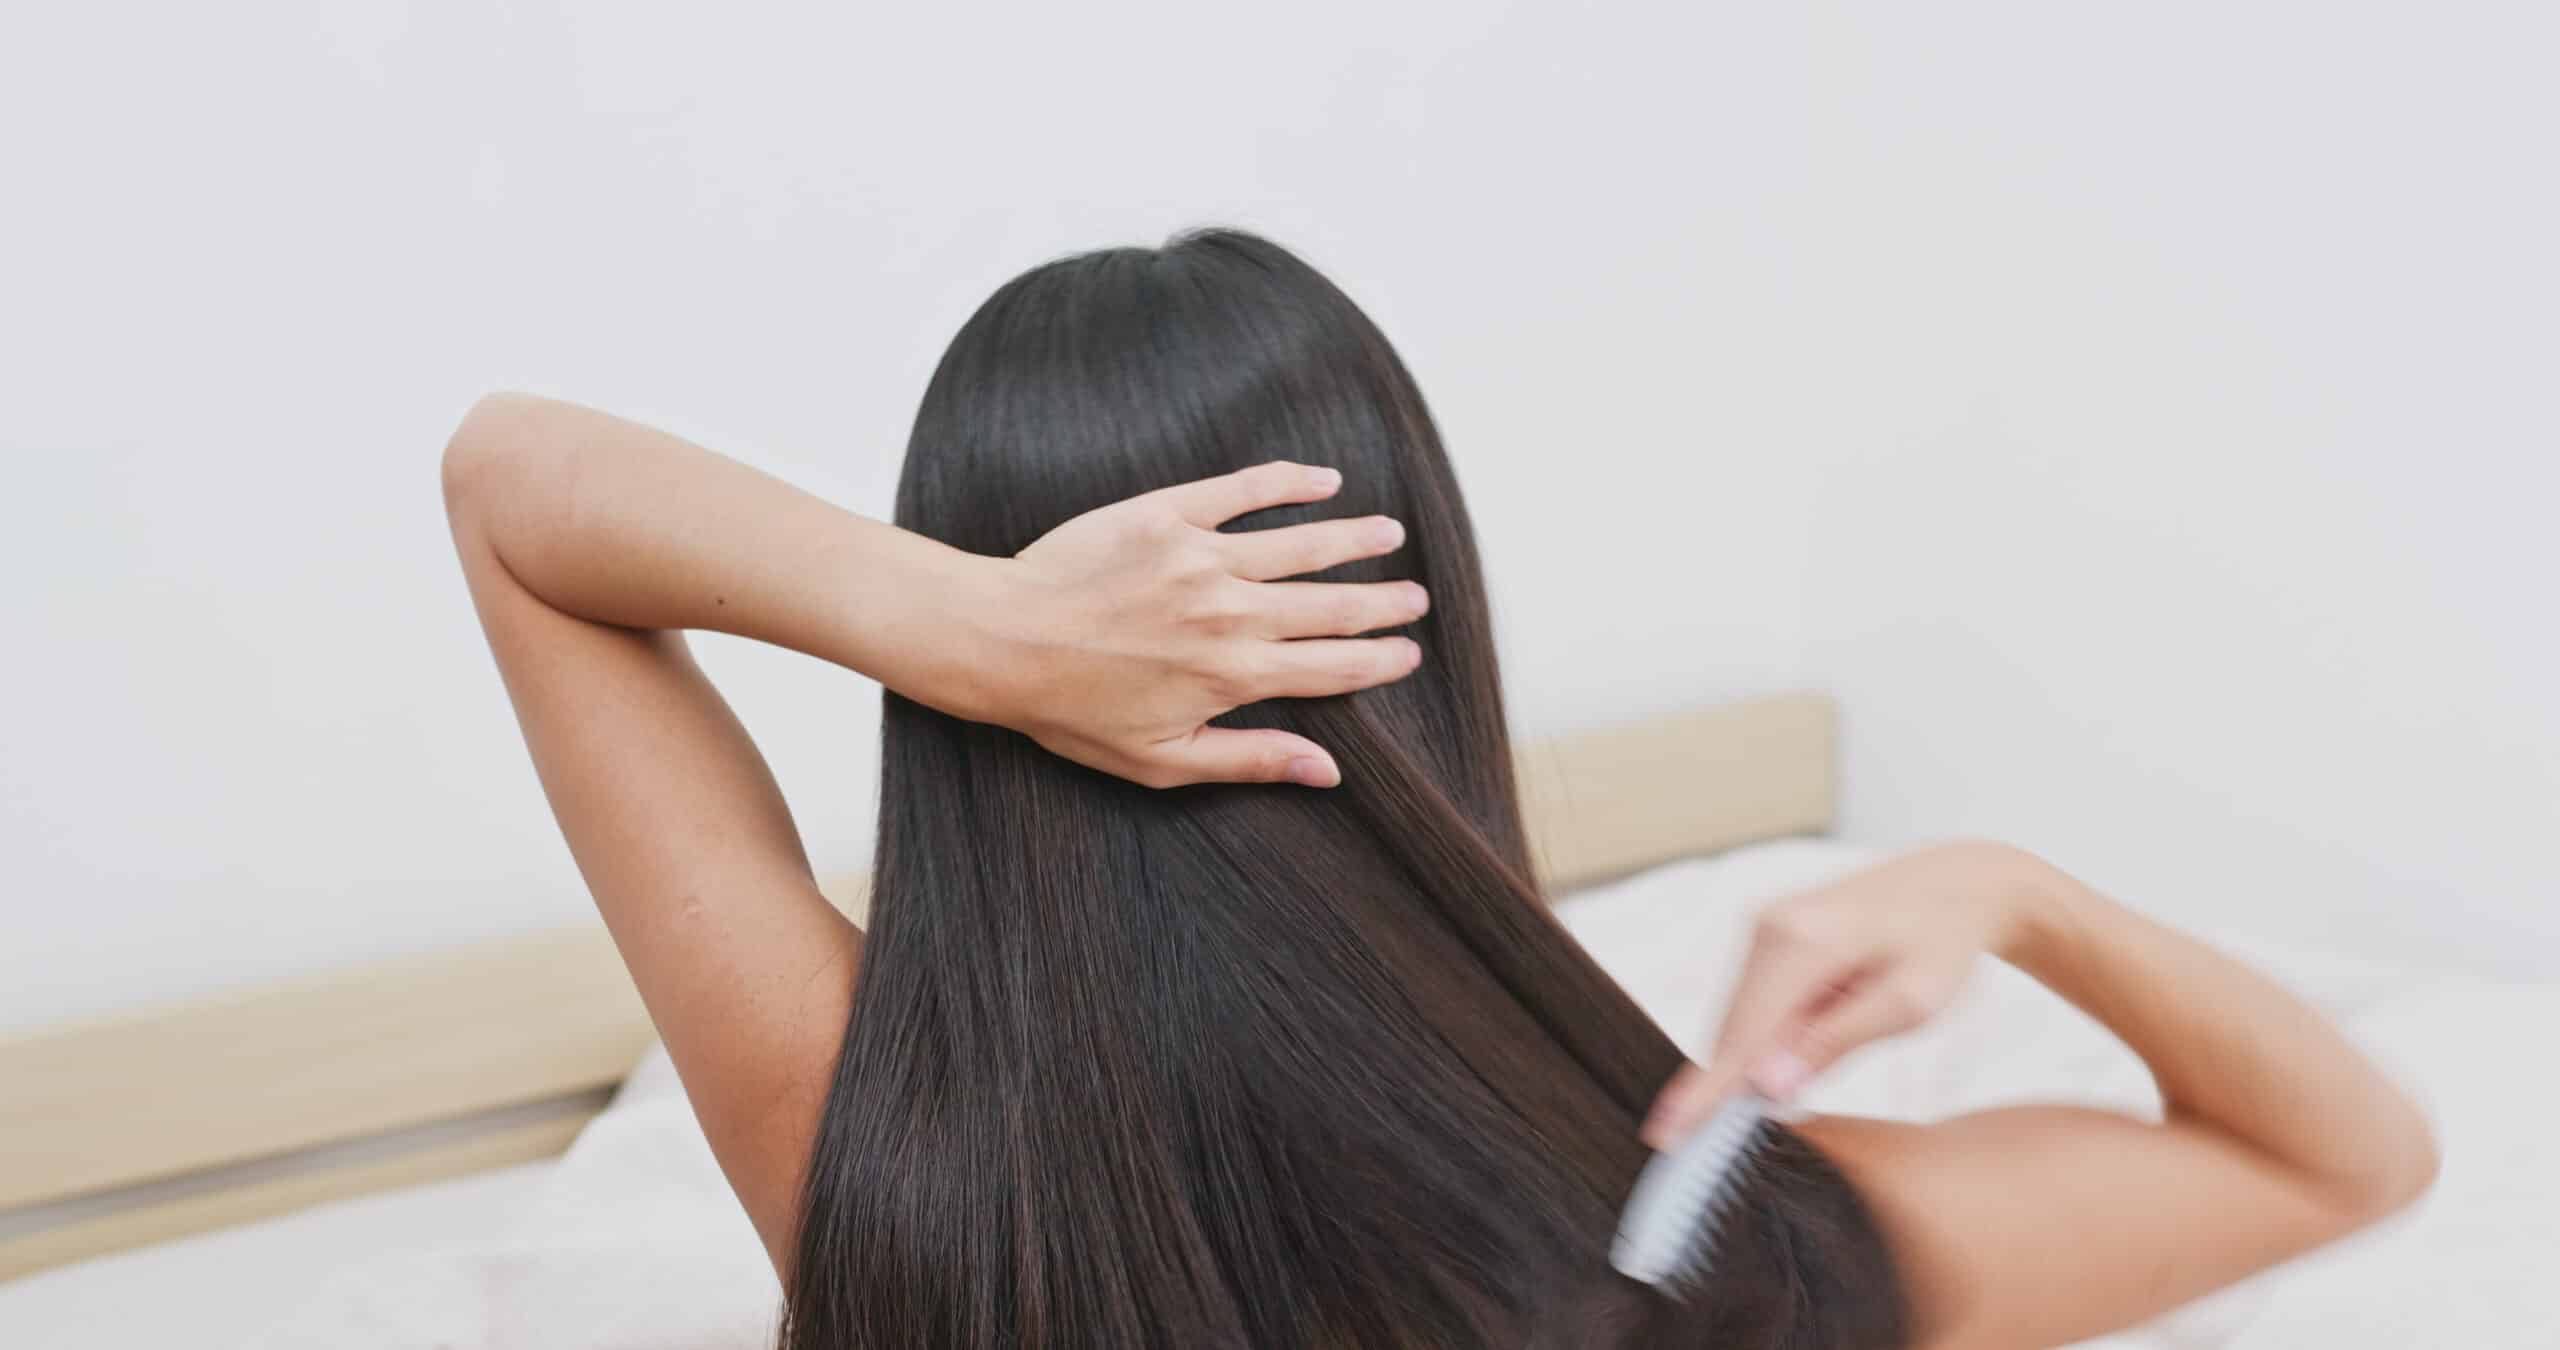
(1244, 1066)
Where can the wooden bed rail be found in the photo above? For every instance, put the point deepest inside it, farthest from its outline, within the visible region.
(213, 1112)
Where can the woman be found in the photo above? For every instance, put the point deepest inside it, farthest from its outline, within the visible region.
(1239, 1063)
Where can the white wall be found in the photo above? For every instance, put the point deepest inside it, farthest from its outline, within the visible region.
(2185, 499)
(258, 260)
(1757, 335)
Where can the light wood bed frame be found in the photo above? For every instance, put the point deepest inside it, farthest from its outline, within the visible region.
(210, 1113)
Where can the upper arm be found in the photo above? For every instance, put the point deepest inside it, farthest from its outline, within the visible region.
(2043, 1226)
(683, 837)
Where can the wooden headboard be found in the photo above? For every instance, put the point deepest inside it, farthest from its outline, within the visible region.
(208, 1113)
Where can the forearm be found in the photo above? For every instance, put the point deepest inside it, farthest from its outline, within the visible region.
(622, 524)
(2229, 1048)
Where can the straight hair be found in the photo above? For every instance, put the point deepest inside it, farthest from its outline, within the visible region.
(1246, 1065)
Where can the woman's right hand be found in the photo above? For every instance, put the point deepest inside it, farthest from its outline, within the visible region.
(1869, 956)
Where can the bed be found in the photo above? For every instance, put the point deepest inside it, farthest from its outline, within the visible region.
(485, 1147)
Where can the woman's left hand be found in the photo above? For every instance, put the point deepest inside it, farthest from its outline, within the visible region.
(1127, 628)
(1871, 955)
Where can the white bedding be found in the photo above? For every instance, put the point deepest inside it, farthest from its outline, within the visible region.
(219, 1289)
(632, 1242)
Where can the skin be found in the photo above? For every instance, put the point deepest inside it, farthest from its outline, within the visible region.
(2277, 1136)
(590, 544)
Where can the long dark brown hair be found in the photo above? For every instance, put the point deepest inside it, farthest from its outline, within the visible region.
(1250, 1065)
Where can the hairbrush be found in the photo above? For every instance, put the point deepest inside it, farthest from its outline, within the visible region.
(1667, 1234)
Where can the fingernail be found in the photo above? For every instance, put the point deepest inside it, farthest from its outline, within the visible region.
(1420, 604)
(1780, 1075)
(1667, 1126)
(1328, 479)
(1388, 533)
(1308, 771)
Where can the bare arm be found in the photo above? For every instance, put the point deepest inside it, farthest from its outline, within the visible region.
(589, 542)
(2041, 1226)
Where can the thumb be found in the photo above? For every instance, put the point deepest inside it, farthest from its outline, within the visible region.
(1237, 755)
(1684, 1103)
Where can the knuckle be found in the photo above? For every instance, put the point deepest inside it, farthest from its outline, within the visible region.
(1204, 596)
(1235, 684)
(1244, 606)
(1907, 1004)
(1217, 619)
(1189, 551)
(1781, 926)
(1205, 566)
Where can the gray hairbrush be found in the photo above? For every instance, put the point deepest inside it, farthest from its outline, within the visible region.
(1667, 1236)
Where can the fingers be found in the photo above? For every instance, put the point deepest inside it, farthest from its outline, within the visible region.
(1871, 1011)
(1232, 755)
(1212, 502)
(1779, 989)
(1322, 609)
(1322, 667)
(1786, 977)
(1314, 668)
(1295, 550)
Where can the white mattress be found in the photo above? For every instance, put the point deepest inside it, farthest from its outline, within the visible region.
(631, 1241)
(219, 1289)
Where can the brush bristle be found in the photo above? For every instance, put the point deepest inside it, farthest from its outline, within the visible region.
(1667, 1236)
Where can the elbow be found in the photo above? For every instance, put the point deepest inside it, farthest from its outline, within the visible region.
(490, 448)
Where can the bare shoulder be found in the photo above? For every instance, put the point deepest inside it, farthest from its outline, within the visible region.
(2045, 1225)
